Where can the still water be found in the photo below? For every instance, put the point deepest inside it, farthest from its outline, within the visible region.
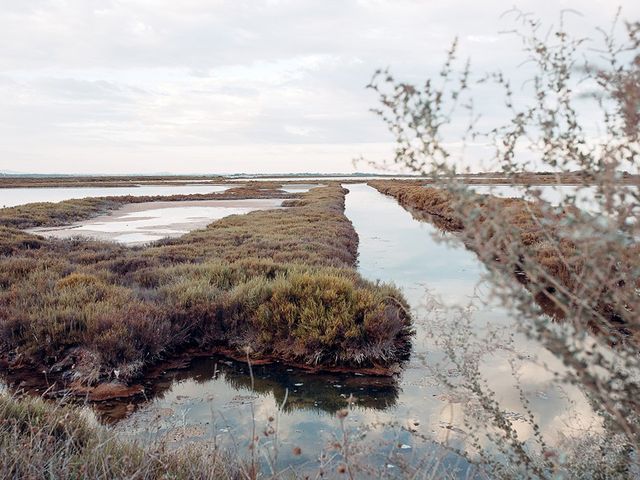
(298, 187)
(140, 223)
(10, 197)
(394, 421)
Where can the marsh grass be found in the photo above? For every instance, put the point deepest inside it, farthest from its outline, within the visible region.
(41, 440)
(277, 284)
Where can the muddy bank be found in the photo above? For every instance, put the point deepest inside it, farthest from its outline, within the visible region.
(115, 399)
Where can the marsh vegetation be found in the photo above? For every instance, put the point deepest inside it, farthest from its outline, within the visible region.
(541, 247)
(273, 284)
(493, 385)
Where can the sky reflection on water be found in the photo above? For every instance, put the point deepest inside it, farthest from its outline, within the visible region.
(141, 223)
(214, 399)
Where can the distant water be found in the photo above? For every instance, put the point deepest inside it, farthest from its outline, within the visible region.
(585, 197)
(10, 197)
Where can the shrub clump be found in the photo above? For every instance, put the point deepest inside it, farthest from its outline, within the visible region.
(277, 284)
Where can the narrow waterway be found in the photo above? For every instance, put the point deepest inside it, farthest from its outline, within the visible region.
(392, 421)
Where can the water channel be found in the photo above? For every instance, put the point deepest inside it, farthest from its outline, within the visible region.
(395, 420)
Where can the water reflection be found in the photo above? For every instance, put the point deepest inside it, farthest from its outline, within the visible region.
(444, 284)
(292, 389)
(218, 400)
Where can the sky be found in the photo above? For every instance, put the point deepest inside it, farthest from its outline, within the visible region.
(215, 86)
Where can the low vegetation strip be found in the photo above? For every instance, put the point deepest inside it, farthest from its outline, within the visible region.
(538, 244)
(47, 214)
(108, 181)
(277, 284)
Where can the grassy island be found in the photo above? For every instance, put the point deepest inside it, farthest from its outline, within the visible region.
(270, 285)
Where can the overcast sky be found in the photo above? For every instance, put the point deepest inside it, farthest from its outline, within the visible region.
(208, 86)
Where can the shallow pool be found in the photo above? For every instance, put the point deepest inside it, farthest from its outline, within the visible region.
(140, 223)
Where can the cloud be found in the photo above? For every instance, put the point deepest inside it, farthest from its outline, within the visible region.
(140, 79)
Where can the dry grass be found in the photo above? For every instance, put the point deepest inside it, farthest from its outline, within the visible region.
(41, 440)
